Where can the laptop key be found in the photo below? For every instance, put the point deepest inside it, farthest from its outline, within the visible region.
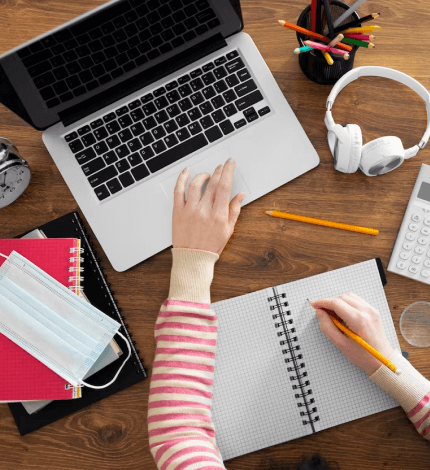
(213, 134)
(84, 130)
(220, 60)
(206, 108)
(149, 108)
(121, 111)
(196, 73)
(184, 79)
(85, 156)
(71, 136)
(171, 85)
(209, 92)
(93, 166)
(147, 153)
(122, 151)
(134, 104)
(196, 84)
(126, 179)
(183, 134)
(146, 139)
(249, 100)
(161, 102)
(159, 146)
(125, 121)
(113, 141)
(171, 140)
(197, 98)
(161, 117)
(147, 98)
(171, 126)
(97, 123)
(134, 159)
(122, 165)
(217, 102)
(173, 110)
(101, 147)
(114, 186)
(220, 72)
(137, 129)
(218, 116)
(159, 132)
(232, 80)
(208, 67)
(185, 104)
(264, 111)
(102, 176)
(101, 133)
(110, 157)
(245, 88)
(232, 55)
(177, 153)
(183, 120)
(140, 172)
(149, 123)
(240, 124)
(76, 146)
(134, 145)
(125, 135)
(102, 192)
(173, 96)
(88, 140)
(208, 78)
(113, 127)
(206, 122)
(159, 91)
(229, 96)
(185, 90)
(195, 128)
(244, 75)
(230, 110)
(194, 114)
(220, 86)
(137, 115)
(226, 127)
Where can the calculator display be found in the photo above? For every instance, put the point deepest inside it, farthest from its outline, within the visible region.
(424, 192)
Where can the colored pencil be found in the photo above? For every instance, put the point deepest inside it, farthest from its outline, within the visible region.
(328, 57)
(325, 223)
(357, 42)
(360, 341)
(354, 23)
(362, 37)
(313, 14)
(363, 29)
(347, 13)
(329, 18)
(322, 47)
(337, 39)
(300, 50)
(311, 34)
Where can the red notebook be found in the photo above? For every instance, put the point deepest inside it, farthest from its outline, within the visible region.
(23, 377)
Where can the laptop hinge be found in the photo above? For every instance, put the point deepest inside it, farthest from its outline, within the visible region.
(142, 79)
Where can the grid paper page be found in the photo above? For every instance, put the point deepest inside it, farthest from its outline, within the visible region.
(253, 402)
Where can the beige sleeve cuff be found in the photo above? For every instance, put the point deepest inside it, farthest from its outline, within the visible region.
(408, 388)
(192, 274)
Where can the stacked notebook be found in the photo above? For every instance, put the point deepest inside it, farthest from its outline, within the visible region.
(59, 248)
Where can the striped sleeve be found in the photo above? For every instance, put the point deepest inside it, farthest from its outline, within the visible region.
(410, 389)
(181, 432)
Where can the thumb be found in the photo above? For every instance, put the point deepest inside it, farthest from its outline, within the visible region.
(235, 206)
(330, 329)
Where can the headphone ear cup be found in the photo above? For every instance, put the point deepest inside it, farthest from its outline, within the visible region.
(356, 144)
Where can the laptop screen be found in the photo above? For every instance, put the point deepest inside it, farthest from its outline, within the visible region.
(125, 42)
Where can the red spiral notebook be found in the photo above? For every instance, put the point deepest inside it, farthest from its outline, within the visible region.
(22, 377)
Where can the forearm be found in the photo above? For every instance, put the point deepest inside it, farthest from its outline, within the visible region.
(181, 432)
(410, 389)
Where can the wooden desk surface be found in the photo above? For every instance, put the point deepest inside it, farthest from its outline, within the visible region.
(263, 251)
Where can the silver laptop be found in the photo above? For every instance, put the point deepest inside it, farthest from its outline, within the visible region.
(130, 93)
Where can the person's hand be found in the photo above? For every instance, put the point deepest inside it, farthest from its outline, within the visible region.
(363, 320)
(205, 222)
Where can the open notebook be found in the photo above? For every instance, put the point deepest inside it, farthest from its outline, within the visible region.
(277, 377)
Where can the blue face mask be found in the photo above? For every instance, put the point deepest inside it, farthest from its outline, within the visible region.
(52, 323)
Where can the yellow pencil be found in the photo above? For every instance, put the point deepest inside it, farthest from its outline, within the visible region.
(362, 29)
(327, 57)
(325, 223)
(360, 341)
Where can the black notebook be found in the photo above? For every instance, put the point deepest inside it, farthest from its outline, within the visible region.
(98, 292)
(277, 377)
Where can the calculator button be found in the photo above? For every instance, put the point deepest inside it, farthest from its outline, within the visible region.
(416, 217)
(416, 259)
(427, 221)
(413, 227)
(427, 263)
(410, 236)
(425, 231)
(401, 264)
(425, 273)
(404, 255)
(419, 249)
(423, 241)
(413, 269)
(407, 246)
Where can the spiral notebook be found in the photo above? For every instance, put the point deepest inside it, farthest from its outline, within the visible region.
(100, 296)
(277, 377)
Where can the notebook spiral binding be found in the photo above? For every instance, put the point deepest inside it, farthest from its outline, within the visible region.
(93, 264)
(79, 260)
(295, 360)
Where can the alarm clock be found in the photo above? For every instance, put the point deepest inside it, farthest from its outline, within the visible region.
(14, 173)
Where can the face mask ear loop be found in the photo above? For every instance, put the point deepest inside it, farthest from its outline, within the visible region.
(4, 256)
(116, 376)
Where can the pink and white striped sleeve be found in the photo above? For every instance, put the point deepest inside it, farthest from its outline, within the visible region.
(410, 389)
(181, 432)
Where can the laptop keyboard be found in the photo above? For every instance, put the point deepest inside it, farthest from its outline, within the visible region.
(81, 58)
(129, 144)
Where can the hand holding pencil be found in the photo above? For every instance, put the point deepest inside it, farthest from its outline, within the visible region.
(364, 321)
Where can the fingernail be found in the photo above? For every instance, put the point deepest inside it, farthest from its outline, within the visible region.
(185, 170)
(242, 197)
(230, 160)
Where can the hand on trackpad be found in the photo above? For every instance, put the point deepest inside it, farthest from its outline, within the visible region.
(207, 165)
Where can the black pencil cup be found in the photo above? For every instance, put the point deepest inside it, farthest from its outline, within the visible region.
(313, 63)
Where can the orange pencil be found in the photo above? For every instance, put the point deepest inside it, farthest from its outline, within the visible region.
(311, 34)
(325, 223)
(360, 341)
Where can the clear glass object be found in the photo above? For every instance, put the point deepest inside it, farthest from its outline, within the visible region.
(415, 324)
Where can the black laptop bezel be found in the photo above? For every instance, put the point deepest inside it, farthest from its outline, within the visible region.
(10, 93)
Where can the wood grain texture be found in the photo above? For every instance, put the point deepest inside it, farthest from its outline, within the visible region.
(263, 251)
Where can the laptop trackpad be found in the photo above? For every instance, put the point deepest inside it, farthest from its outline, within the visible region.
(207, 165)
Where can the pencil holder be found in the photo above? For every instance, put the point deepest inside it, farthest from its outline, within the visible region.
(313, 63)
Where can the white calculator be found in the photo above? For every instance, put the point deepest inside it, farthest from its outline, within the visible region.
(411, 253)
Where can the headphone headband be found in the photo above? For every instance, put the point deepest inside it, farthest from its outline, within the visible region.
(375, 71)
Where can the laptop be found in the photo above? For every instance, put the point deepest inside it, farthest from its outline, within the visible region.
(132, 92)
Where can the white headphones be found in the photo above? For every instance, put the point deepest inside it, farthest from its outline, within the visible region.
(380, 155)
